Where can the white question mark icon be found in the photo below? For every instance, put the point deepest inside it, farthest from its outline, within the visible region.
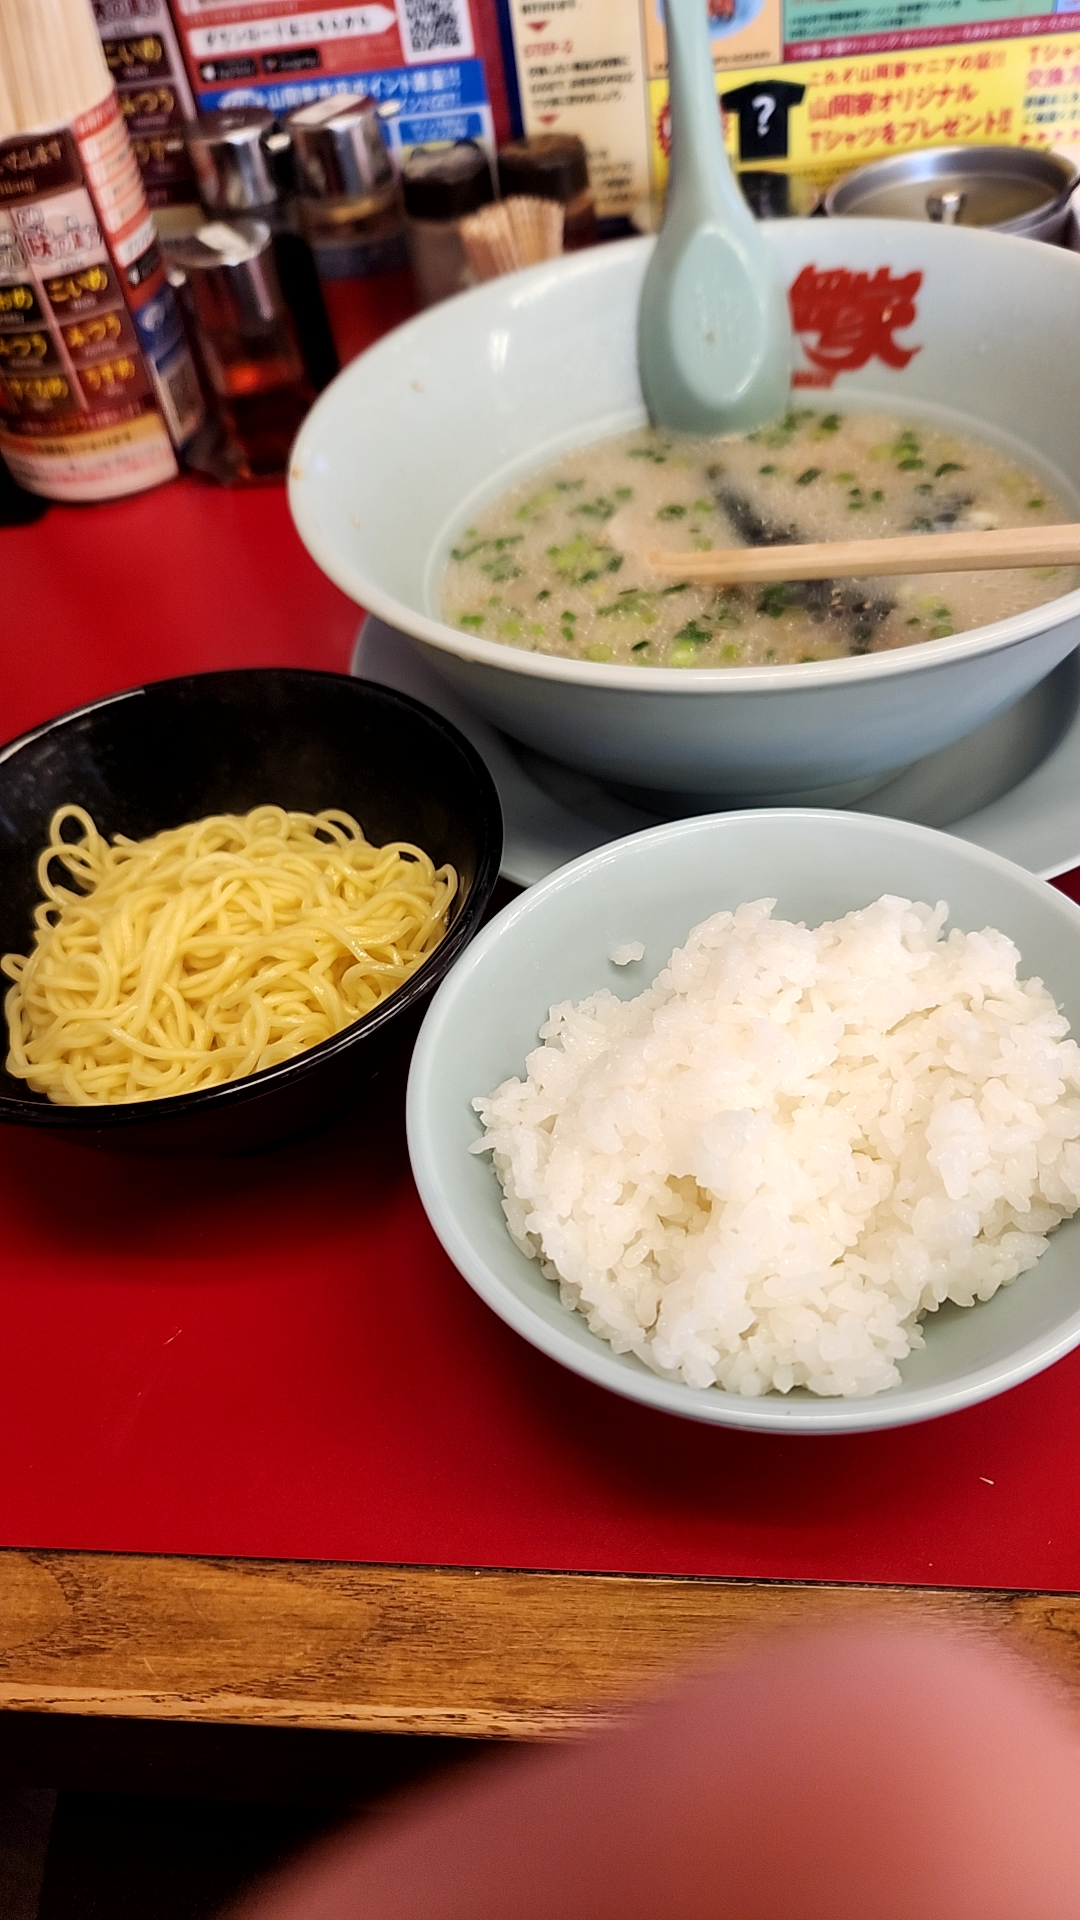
(764, 106)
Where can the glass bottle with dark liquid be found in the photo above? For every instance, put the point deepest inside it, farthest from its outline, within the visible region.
(247, 345)
(244, 166)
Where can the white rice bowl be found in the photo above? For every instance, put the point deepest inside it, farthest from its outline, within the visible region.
(583, 932)
(761, 1172)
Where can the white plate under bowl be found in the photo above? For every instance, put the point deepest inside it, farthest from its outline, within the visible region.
(1012, 787)
(552, 944)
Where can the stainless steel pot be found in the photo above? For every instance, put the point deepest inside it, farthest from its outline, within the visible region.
(1011, 189)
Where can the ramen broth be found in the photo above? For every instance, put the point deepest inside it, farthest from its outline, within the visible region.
(558, 565)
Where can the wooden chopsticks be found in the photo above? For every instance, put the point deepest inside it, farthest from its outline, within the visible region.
(906, 553)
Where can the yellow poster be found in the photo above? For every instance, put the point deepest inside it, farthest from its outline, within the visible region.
(1051, 101)
(598, 68)
(861, 107)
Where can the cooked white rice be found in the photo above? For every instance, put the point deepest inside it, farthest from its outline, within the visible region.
(762, 1171)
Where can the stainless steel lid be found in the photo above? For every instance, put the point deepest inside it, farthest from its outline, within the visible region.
(1012, 189)
(233, 153)
(229, 269)
(339, 147)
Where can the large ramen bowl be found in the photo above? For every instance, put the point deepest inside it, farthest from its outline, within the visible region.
(439, 418)
(553, 944)
(177, 750)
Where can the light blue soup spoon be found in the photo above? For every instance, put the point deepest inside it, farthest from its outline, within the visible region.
(714, 338)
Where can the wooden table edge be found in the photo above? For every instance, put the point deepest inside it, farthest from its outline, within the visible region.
(419, 1650)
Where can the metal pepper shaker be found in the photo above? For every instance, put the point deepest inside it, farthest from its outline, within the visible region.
(235, 154)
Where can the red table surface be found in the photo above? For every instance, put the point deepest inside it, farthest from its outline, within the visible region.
(274, 1357)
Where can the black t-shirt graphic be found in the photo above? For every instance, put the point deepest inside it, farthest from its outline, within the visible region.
(763, 117)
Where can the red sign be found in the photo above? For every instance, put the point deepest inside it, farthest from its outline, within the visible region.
(845, 319)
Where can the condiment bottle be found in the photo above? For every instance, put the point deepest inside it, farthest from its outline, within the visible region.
(553, 166)
(249, 353)
(442, 186)
(238, 156)
(352, 214)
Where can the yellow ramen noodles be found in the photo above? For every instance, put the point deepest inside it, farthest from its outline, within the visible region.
(211, 951)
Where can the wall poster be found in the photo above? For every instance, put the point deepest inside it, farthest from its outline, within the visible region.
(812, 87)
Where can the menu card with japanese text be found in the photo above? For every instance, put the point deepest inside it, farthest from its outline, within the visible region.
(822, 86)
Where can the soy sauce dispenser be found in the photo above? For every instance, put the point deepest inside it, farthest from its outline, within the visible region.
(227, 276)
(352, 214)
(241, 160)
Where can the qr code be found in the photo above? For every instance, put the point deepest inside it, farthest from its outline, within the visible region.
(431, 27)
(179, 396)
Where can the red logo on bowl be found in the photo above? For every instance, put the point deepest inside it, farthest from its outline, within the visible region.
(845, 319)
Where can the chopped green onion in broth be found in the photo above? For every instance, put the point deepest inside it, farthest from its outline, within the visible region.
(568, 548)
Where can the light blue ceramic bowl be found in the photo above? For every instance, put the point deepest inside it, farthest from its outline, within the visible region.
(552, 944)
(433, 423)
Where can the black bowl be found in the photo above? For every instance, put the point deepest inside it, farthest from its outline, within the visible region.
(223, 743)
